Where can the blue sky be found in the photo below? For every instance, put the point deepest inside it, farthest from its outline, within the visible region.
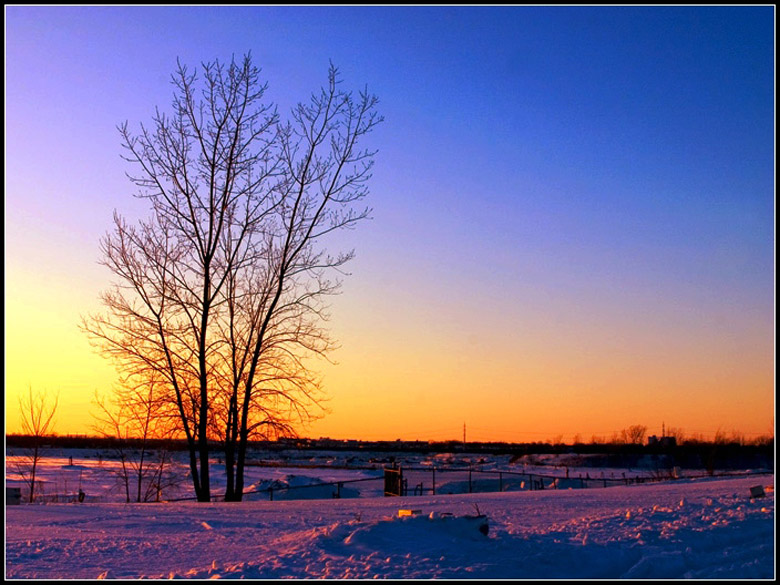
(557, 189)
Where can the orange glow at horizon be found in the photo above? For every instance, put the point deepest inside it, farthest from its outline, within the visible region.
(424, 378)
(564, 255)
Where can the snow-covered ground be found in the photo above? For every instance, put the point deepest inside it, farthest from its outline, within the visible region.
(688, 528)
(293, 474)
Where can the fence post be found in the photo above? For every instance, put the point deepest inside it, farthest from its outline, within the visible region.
(433, 482)
(531, 480)
(394, 481)
(500, 481)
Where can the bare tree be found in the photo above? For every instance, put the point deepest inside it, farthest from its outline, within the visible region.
(634, 435)
(222, 290)
(678, 433)
(134, 417)
(720, 438)
(37, 423)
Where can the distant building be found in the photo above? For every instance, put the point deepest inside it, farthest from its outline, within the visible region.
(652, 440)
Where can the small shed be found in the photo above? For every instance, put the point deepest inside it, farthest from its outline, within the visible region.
(13, 496)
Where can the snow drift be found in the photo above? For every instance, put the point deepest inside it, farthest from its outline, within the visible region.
(684, 529)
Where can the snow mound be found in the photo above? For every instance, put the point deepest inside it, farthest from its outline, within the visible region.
(443, 528)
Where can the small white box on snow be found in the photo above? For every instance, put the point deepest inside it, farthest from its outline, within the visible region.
(403, 512)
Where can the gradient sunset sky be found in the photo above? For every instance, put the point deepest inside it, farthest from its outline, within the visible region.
(573, 225)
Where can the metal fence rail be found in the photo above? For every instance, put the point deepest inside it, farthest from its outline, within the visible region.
(431, 480)
(418, 481)
(338, 485)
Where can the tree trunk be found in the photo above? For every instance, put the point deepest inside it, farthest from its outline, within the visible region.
(32, 474)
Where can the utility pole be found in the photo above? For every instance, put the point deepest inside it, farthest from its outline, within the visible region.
(464, 434)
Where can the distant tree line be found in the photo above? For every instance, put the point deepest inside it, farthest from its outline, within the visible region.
(759, 445)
